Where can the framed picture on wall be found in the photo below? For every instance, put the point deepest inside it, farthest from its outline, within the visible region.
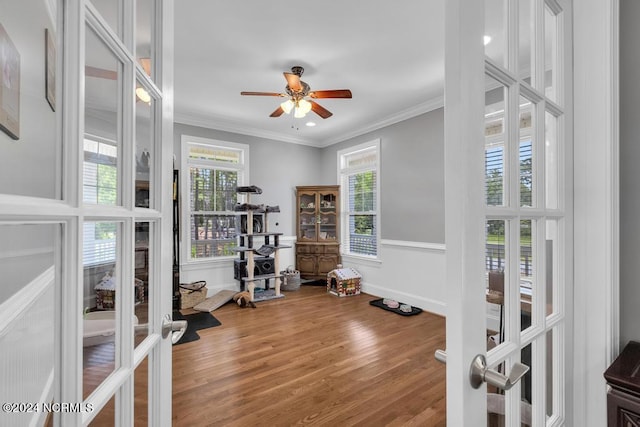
(9, 86)
(50, 68)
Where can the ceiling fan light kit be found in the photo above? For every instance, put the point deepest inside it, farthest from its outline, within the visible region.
(296, 91)
(101, 73)
(143, 95)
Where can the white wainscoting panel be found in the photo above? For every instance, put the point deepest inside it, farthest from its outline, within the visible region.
(27, 322)
(219, 274)
(410, 272)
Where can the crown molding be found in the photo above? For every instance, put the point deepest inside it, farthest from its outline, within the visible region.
(194, 119)
(409, 113)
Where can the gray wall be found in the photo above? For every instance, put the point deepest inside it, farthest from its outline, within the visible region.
(276, 167)
(629, 171)
(26, 251)
(411, 176)
(25, 23)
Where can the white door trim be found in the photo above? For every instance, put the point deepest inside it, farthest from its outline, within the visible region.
(596, 202)
(160, 374)
(464, 199)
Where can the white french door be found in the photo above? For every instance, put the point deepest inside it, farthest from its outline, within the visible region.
(85, 212)
(509, 218)
(124, 210)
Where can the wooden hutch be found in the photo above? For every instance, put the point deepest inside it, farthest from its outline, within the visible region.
(318, 230)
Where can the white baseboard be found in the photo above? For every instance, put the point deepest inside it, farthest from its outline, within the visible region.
(410, 272)
(427, 304)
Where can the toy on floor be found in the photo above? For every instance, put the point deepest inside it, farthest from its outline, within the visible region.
(243, 299)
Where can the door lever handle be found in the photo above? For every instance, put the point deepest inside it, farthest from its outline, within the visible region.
(177, 328)
(441, 356)
(480, 373)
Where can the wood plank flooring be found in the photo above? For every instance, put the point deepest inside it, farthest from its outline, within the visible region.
(312, 358)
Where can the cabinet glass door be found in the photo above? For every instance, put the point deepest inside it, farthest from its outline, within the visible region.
(327, 218)
(308, 217)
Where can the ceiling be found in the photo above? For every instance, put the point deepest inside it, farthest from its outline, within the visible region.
(390, 54)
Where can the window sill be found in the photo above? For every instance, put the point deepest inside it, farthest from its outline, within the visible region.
(222, 262)
(359, 259)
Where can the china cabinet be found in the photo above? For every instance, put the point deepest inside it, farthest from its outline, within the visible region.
(318, 228)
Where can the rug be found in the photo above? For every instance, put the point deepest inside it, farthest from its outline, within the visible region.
(195, 322)
(379, 303)
(260, 295)
(215, 301)
(313, 282)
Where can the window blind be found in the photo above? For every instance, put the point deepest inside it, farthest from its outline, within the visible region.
(362, 191)
(214, 174)
(99, 243)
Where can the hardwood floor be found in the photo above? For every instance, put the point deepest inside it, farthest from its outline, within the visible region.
(312, 358)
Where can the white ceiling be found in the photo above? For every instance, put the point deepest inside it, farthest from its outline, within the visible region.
(390, 54)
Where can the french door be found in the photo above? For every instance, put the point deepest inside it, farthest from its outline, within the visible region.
(85, 214)
(508, 230)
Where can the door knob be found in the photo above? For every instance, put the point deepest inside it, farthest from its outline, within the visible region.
(176, 328)
(481, 373)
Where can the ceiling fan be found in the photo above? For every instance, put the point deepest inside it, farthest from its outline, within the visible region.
(297, 90)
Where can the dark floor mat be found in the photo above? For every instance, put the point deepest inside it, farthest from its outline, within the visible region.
(195, 322)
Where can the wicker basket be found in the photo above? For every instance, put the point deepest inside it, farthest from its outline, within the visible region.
(192, 294)
(290, 279)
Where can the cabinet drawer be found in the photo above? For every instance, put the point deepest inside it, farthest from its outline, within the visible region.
(332, 249)
(303, 249)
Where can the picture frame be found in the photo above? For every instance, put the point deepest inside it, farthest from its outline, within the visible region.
(50, 68)
(9, 86)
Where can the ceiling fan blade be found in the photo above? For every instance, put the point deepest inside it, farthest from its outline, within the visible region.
(277, 113)
(293, 81)
(320, 110)
(146, 65)
(263, 93)
(337, 93)
(100, 73)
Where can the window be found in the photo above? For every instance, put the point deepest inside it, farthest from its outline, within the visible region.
(100, 171)
(99, 186)
(99, 243)
(359, 173)
(211, 171)
(494, 158)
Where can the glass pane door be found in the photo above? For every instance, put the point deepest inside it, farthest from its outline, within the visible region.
(123, 201)
(524, 211)
(328, 219)
(307, 217)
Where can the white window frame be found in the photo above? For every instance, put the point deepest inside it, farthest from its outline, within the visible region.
(241, 168)
(343, 174)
